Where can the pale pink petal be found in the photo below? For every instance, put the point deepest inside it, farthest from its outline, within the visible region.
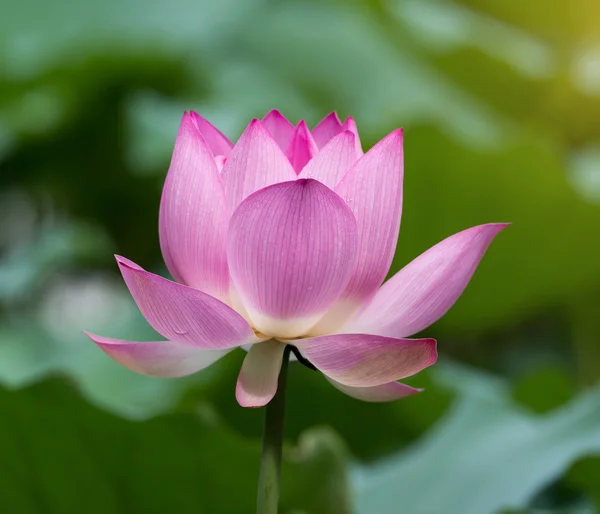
(383, 393)
(194, 216)
(423, 291)
(280, 129)
(364, 360)
(257, 381)
(157, 358)
(302, 148)
(256, 161)
(350, 125)
(329, 127)
(183, 314)
(218, 142)
(373, 190)
(333, 161)
(291, 252)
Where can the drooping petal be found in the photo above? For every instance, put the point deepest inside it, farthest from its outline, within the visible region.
(218, 142)
(350, 125)
(423, 291)
(280, 129)
(364, 360)
(256, 161)
(302, 148)
(183, 314)
(193, 216)
(329, 127)
(291, 251)
(383, 393)
(333, 161)
(157, 358)
(373, 190)
(257, 381)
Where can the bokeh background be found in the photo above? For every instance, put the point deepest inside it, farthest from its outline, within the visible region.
(500, 101)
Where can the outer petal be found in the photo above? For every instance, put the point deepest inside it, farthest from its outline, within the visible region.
(193, 215)
(184, 314)
(218, 142)
(280, 129)
(364, 360)
(292, 248)
(302, 148)
(256, 161)
(373, 190)
(329, 127)
(333, 161)
(350, 125)
(157, 358)
(257, 381)
(423, 291)
(383, 393)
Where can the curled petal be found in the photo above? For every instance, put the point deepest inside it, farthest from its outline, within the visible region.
(333, 161)
(193, 215)
(291, 252)
(383, 393)
(364, 360)
(373, 190)
(329, 127)
(183, 314)
(157, 358)
(257, 381)
(218, 142)
(280, 129)
(302, 148)
(255, 162)
(423, 291)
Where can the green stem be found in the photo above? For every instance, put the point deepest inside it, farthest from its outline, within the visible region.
(270, 462)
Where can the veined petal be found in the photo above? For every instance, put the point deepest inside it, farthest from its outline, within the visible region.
(257, 381)
(255, 162)
(183, 314)
(423, 291)
(280, 129)
(383, 393)
(364, 360)
(193, 215)
(291, 251)
(333, 161)
(218, 142)
(350, 125)
(302, 148)
(157, 358)
(373, 190)
(329, 127)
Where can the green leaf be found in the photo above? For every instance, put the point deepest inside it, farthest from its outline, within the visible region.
(63, 456)
(585, 475)
(483, 456)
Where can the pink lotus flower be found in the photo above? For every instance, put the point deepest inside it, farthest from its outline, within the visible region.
(285, 238)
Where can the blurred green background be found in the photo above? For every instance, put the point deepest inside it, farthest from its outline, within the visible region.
(500, 101)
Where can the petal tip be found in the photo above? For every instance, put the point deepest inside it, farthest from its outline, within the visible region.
(333, 115)
(302, 125)
(491, 230)
(123, 262)
(395, 136)
(274, 113)
(246, 400)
